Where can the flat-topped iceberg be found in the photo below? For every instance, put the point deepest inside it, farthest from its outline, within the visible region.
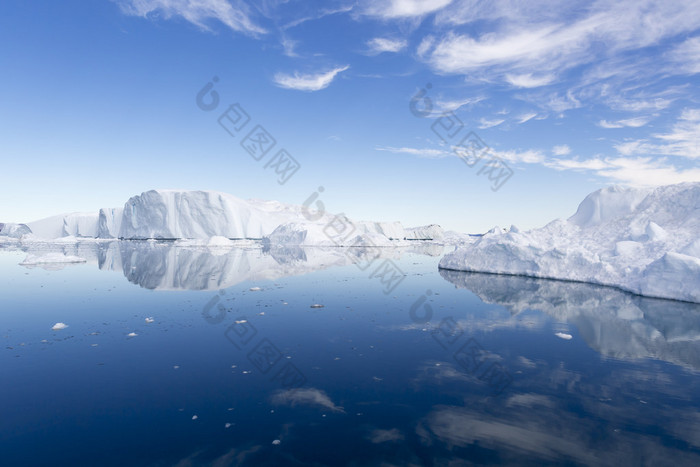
(77, 224)
(646, 241)
(171, 214)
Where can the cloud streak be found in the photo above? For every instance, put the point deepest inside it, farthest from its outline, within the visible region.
(393, 9)
(234, 14)
(308, 82)
(380, 45)
(554, 38)
(419, 152)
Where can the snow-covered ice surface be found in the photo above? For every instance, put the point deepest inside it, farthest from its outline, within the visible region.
(646, 241)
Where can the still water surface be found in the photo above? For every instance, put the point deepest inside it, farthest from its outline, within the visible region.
(196, 356)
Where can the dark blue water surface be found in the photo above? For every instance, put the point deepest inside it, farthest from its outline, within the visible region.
(428, 368)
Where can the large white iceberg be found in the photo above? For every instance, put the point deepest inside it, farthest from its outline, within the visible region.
(171, 214)
(644, 241)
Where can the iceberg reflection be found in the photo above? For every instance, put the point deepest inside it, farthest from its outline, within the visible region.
(614, 323)
(167, 265)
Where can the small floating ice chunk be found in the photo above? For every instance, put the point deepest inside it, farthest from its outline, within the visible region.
(132, 334)
(255, 289)
(241, 321)
(194, 417)
(150, 319)
(228, 425)
(276, 442)
(317, 305)
(59, 326)
(563, 335)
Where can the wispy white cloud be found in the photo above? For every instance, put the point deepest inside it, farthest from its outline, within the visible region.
(452, 105)
(687, 55)
(308, 82)
(634, 171)
(425, 45)
(532, 44)
(530, 156)
(526, 117)
(289, 46)
(682, 140)
(629, 122)
(233, 13)
(390, 9)
(322, 13)
(486, 123)
(526, 49)
(639, 103)
(527, 80)
(420, 152)
(382, 44)
(561, 150)
(468, 11)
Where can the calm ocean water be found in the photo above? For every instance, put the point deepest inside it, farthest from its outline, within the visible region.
(189, 357)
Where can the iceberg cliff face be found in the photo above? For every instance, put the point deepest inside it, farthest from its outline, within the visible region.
(170, 214)
(77, 224)
(14, 230)
(643, 241)
(426, 232)
(109, 222)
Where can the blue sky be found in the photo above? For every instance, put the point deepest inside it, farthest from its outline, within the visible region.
(99, 103)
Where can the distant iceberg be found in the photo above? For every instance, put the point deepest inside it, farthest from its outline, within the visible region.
(14, 230)
(646, 241)
(211, 216)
